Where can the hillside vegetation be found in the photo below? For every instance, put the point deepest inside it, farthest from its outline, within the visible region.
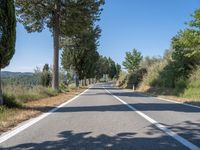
(176, 73)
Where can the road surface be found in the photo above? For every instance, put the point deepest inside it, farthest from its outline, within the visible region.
(105, 117)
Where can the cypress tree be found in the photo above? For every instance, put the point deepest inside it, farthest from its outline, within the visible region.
(7, 35)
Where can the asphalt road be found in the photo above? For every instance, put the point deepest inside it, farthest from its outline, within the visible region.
(105, 117)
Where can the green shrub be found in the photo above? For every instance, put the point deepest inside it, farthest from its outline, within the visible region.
(11, 102)
(2, 109)
(153, 72)
(46, 92)
(122, 78)
(134, 78)
(24, 94)
(180, 85)
(193, 85)
(64, 88)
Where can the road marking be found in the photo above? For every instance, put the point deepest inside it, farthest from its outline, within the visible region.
(164, 99)
(158, 125)
(19, 129)
(172, 101)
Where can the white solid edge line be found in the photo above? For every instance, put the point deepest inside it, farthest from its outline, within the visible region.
(173, 101)
(164, 99)
(18, 129)
(158, 125)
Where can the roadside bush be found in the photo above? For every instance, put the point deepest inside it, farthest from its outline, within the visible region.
(11, 102)
(153, 72)
(122, 78)
(193, 85)
(133, 79)
(64, 88)
(24, 94)
(180, 85)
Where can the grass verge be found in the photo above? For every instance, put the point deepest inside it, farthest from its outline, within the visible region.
(14, 112)
(168, 94)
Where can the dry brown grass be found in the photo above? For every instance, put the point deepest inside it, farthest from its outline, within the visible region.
(11, 117)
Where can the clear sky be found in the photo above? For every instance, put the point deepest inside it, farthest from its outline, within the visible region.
(147, 25)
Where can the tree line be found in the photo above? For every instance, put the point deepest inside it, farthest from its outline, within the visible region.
(73, 24)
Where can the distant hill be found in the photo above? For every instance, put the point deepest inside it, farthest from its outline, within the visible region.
(15, 74)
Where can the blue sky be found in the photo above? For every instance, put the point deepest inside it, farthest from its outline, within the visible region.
(147, 25)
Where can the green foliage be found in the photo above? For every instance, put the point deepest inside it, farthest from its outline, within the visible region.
(23, 94)
(196, 17)
(63, 88)
(153, 73)
(65, 20)
(82, 55)
(7, 31)
(23, 80)
(37, 14)
(46, 76)
(132, 60)
(118, 70)
(112, 68)
(128, 80)
(10, 101)
(102, 67)
(193, 85)
(107, 67)
(148, 61)
(176, 69)
(122, 78)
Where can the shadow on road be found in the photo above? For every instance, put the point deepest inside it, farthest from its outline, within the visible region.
(68, 140)
(121, 107)
(140, 106)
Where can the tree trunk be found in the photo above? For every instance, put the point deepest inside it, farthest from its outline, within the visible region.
(85, 81)
(82, 82)
(89, 81)
(1, 95)
(56, 32)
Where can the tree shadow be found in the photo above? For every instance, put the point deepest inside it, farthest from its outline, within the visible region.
(139, 106)
(69, 140)
(102, 88)
(188, 129)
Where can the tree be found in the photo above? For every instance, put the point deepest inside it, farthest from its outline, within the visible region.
(132, 60)
(118, 70)
(112, 68)
(7, 35)
(148, 61)
(63, 18)
(186, 48)
(82, 54)
(46, 76)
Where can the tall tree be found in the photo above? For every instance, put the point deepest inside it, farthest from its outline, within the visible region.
(82, 54)
(7, 35)
(112, 68)
(132, 60)
(63, 18)
(186, 47)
